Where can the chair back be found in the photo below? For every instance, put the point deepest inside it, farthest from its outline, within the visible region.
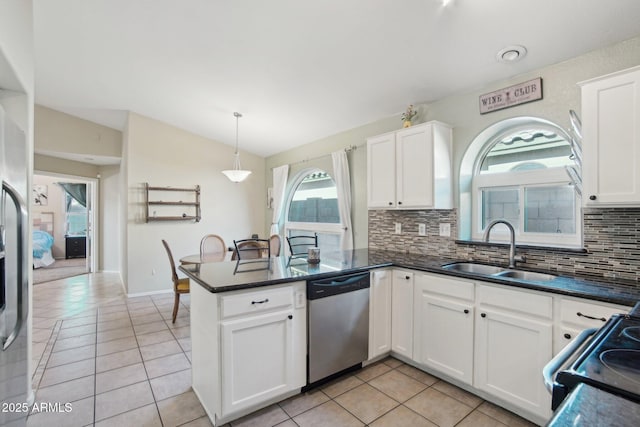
(250, 249)
(212, 244)
(275, 244)
(299, 245)
(174, 274)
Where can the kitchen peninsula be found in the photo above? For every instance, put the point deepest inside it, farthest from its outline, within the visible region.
(249, 325)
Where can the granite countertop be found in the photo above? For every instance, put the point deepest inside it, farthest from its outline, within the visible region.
(589, 406)
(232, 275)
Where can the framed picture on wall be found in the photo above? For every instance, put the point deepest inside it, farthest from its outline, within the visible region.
(40, 195)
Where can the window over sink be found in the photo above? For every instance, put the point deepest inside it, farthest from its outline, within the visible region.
(516, 171)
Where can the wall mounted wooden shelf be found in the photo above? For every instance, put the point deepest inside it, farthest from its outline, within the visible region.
(170, 214)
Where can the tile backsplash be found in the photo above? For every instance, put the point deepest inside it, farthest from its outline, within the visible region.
(611, 243)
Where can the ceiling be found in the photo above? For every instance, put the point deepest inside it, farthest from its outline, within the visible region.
(298, 71)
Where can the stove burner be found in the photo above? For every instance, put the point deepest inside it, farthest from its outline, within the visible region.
(623, 362)
(632, 332)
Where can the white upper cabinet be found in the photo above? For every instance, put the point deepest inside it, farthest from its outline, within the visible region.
(611, 139)
(410, 168)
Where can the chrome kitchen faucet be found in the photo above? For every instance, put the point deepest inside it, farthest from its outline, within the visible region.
(513, 258)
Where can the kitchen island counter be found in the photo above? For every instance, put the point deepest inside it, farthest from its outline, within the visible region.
(236, 275)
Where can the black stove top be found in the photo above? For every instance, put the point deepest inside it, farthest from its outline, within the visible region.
(610, 361)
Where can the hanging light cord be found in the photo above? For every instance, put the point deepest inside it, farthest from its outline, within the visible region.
(237, 115)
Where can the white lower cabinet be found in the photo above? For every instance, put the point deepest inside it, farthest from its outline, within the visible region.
(402, 312)
(443, 334)
(248, 348)
(245, 380)
(576, 315)
(380, 313)
(513, 344)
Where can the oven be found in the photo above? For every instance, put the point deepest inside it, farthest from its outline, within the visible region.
(607, 359)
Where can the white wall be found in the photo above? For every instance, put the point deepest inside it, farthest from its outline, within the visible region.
(109, 218)
(461, 111)
(60, 132)
(163, 155)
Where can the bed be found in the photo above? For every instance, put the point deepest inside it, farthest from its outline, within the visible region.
(42, 239)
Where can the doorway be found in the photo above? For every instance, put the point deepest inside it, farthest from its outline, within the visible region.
(64, 226)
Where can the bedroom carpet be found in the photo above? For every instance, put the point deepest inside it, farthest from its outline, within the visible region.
(60, 269)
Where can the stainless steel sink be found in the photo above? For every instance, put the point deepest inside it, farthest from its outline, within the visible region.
(472, 267)
(528, 276)
(495, 271)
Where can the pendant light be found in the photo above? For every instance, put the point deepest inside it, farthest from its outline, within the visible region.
(237, 174)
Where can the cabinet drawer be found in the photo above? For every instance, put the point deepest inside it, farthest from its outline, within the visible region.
(516, 300)
(586, 314)
(448, 287)
(253, 302)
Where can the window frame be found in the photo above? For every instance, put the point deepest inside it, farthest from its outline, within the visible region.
(521, 180)
(318, 227)
(555, 176)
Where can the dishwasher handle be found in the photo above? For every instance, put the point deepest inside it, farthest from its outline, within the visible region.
(341, 281)
(337, 285)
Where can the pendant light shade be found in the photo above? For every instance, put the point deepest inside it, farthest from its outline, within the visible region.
(237, 174)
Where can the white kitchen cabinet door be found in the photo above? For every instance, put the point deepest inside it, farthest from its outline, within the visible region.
(402, 313)
(381, 171)
(510, 353)
(380, 313)
(257, 356)
(611, 139)
(410, 168)
(414, 160)
(443, 336)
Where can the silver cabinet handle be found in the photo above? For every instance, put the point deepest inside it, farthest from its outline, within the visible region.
(23, 286)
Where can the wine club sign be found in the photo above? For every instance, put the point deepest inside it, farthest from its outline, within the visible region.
(510, 96)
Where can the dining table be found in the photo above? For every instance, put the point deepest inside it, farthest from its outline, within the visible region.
(205, 258)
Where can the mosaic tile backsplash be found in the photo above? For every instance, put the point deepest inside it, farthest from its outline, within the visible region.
(611, 241)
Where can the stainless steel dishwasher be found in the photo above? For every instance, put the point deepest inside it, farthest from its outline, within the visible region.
(338, 325)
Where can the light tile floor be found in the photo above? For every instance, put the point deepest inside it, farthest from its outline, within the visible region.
(121, 362)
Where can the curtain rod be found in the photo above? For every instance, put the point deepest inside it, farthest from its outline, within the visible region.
(346, 150)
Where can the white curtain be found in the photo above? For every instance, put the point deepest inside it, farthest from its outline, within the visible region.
(280, 175)
(343, 185)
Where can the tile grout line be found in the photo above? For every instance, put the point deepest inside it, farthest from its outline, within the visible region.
(144, 365)
(95, 370)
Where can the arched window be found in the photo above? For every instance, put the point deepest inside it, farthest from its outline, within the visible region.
(313, 208)
(519, 174)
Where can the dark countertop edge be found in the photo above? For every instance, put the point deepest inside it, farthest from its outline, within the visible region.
(526, 247)
(250, 285)
(534, 286)
(591, 294)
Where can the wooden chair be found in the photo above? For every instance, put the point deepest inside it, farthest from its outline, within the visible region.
(299, 245)
(180, 285)
(213, 246)
(250, 249)
(275, 244)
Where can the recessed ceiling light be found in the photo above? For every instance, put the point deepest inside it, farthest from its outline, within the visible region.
(511, 54)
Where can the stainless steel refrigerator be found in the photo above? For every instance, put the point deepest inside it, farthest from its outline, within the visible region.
(14, 285)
